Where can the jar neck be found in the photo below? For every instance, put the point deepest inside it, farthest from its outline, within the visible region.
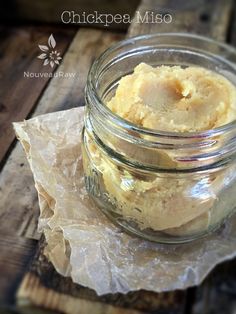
(159, 151)
(151, 149)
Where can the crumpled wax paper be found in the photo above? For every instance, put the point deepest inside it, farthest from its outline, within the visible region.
(82, 242)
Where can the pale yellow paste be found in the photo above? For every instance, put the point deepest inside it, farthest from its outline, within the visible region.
(174, 98)
(169, 99)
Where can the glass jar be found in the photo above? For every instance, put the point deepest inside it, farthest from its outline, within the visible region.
(166, 187)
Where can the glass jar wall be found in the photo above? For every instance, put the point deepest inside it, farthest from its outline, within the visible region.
(167, 187)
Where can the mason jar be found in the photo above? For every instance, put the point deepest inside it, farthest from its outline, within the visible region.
(167, 187)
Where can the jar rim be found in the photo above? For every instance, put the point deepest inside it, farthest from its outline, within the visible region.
(127, 125)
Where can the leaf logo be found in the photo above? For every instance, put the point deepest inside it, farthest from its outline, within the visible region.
(49, 55)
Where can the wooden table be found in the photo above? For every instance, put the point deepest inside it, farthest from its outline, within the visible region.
(28, 282)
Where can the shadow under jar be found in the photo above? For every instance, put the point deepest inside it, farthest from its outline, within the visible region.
(166, 187)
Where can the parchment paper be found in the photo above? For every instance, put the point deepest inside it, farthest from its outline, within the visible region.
(82, 242)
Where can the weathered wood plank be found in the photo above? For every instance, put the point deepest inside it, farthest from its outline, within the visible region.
(50, 11)
(18, 94)
(16, 253)
(46, 281)
(69, 95)
(19, 206)
(43, 279)
(209, 18)
(232, 30)
(34, 294)
(217, 294)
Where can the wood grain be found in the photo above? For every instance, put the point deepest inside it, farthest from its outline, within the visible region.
(16, 253)
(18, 94)
(50, 11)
(19, 196)
(217, 294)
(209, 18)
(232, 30)
(66, 94)
(19, 205)
(42, 286)
(42, 279)
(32, 293)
